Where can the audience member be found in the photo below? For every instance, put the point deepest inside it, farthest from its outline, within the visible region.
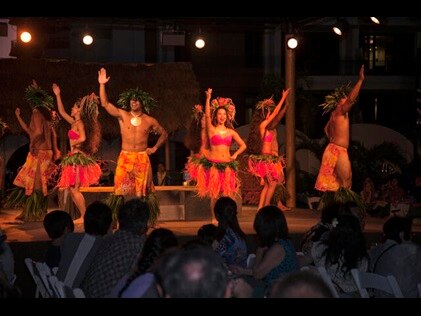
(57, 224)
(119, 252)
(79, 249)
(300, 284)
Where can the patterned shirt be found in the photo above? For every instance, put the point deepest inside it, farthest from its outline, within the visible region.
(115, 258)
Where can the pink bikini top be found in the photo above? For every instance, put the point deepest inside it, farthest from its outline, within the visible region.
(217, 139)
(268, 137)
(72, 134)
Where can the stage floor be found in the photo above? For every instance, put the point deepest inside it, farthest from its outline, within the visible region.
(299, 221)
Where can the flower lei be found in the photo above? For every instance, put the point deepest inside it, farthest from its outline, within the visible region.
(37, 97)
(331, 100)
(197, 112)
(225, 103)
(148, 103)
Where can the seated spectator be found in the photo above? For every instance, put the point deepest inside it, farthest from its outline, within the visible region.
(141, 282)
(230, 239)
(78, 250)
(208, 234)
(162, 177)
(398, 256)
(300, 284)
(196, 273)
(7, 270)
(275, 254)
(119, 251)
(343, 250)
(57, 224)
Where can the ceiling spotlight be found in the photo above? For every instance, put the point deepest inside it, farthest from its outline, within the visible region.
(87, 39)
(25, 37)
(375, 19)
(292, 42)
(200, 42)
(340, 27)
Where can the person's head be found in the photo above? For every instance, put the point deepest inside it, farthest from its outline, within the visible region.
(223, 112)
(133, 216)
(225, 210)
(346, 243)
(40, 100)
(136, 100)
(158, 242)
(332, 210)
(161, 167)
(336, 98)
(196, 273)
(207, 233)
(270, 225)
(398, 229)
(300, 284)
(57, 223)
(97, 219)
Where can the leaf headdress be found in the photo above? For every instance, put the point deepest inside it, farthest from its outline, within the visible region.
(331, 100)
(266, 105)
(147, 102)
(224, 103)
(37, 97)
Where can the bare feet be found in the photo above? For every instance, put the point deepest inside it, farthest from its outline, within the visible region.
(78, 221)
(284, 208)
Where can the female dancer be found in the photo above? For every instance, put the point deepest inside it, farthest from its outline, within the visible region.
(264, 161)
(216, 175)
(78, 167)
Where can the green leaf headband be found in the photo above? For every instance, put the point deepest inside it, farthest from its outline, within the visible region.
(147, 102)
(37, 97)
(331, 100)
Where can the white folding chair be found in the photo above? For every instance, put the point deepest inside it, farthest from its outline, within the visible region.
(41, 289)
(367, 280)
(313, 202)
(250, 260)
(64, 291)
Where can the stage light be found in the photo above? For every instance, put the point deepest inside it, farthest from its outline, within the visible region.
(340, 27)
(292, 42)
(25, 37)
(200, 42)
(87, 39)
(375, 19)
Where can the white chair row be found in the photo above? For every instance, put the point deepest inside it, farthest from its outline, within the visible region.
(48, 286)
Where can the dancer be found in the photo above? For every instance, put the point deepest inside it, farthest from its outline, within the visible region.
(79, 168)
(34, 175)
(262, 145)
(335, 169)
(133, 176)
(216, 175)
(335, 174)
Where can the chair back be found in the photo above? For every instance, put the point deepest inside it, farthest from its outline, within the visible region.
(367, 280)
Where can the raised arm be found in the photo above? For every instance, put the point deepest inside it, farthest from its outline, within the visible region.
(274, 117)
(163, 135)
(60, 106)
(208, 110)
(241, 144)
(354, 92)
(109, 107)
(21, 121)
